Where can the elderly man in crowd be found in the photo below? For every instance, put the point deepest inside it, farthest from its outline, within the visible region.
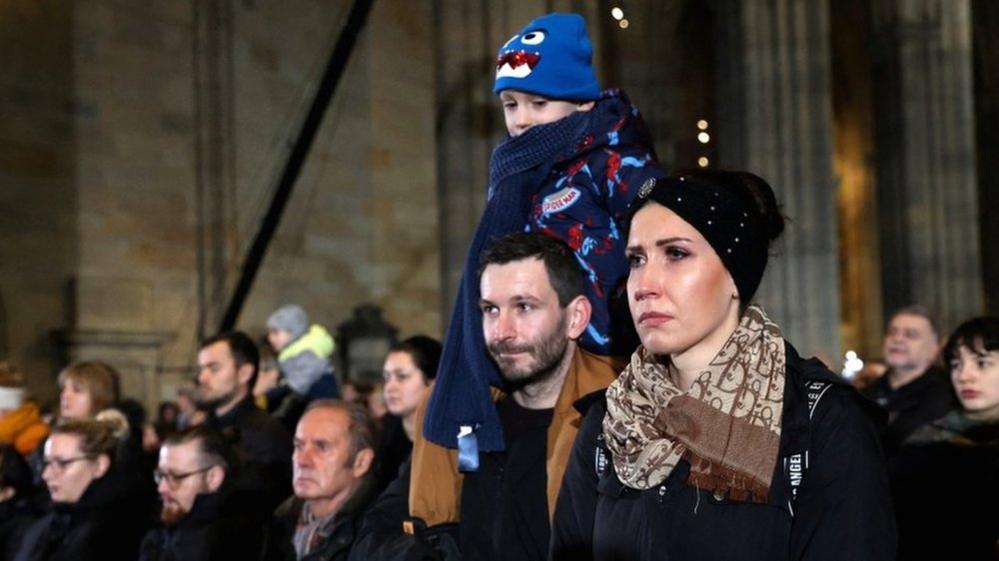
(333, 481)
(914, 390)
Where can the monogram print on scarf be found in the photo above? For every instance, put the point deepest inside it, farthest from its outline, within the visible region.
(727, 425)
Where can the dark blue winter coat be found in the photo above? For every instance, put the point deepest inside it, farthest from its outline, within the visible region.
(573, 180)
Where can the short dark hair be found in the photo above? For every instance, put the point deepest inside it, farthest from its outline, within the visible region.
(918, 311)
(425, 352)
(979, 335)
(213, 446)
(242, 347)
(563, 268)
(363, 433)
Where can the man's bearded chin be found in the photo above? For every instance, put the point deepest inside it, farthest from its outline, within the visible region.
(172, 514)
(546, 356)
(207, 404)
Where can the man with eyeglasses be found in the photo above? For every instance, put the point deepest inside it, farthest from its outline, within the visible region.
(204, 514)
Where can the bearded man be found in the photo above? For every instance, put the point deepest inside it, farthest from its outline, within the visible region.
(203, 515)
(227, 371)
(497, 504)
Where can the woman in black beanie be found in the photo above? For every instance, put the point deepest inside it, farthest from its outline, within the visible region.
(718, 441)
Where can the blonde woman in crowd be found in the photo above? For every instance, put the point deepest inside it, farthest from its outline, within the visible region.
(96, 511)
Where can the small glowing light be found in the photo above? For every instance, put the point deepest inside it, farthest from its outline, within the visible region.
(852, 365)
(703, 137)
(623, 23)
(702, 124)
(617, 13)
(703, 162)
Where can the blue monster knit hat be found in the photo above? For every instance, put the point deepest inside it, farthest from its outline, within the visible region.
(552, 56)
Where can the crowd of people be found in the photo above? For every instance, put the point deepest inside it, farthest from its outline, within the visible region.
(216, 475)
(608, 388)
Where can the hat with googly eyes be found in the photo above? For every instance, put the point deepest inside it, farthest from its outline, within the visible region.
(552, 56)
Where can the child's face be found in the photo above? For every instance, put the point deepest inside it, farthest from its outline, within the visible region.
(278, 338)
(522, 111)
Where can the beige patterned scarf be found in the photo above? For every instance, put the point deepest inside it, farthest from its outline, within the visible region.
(727, 426)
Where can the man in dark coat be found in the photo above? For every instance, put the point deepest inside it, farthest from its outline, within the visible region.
(914, 391)
(227, 370)
(333, 482)
(202, 514)
(534, 312)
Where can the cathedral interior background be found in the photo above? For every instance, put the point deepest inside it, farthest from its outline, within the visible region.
(142, 145)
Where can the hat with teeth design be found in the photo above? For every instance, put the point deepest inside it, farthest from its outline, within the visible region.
(552, 56)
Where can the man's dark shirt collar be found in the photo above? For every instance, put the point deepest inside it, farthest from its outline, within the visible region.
(206, 508)
(883, 393)
(238, 411)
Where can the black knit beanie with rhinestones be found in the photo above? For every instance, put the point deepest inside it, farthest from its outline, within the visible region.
(736, 212)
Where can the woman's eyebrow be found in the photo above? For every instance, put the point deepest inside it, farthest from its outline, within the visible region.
(667, 241)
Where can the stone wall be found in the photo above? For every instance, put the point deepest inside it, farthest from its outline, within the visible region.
(362, 224)
(38, 198)
(141, 142)
(115, 228)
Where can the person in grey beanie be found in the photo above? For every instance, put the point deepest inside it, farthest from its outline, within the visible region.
(304, 355)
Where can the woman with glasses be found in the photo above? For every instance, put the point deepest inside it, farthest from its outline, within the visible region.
(204, 514)
(96, 512)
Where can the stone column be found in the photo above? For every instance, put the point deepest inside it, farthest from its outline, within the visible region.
(926, 157)
(776, 121)
(214, 146)
(468, 125)
(985, 15)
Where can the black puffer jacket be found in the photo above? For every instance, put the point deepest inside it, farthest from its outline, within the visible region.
(16, 516)
(945, 492)
(911, 406)
(221, 525)
(106, 524)
(337, 547)
(842, 510)
(266, 448)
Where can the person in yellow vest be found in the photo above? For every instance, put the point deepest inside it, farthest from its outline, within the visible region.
(304, 356)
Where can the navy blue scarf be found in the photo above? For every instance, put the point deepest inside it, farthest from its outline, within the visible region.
(517, 170)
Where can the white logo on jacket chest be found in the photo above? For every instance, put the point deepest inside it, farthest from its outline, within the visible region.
(560, 200)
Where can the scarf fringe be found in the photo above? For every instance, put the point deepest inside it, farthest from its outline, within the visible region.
(725, 483)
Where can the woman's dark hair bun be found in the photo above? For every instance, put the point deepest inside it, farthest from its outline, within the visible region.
(763, 199)
(752, 189)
